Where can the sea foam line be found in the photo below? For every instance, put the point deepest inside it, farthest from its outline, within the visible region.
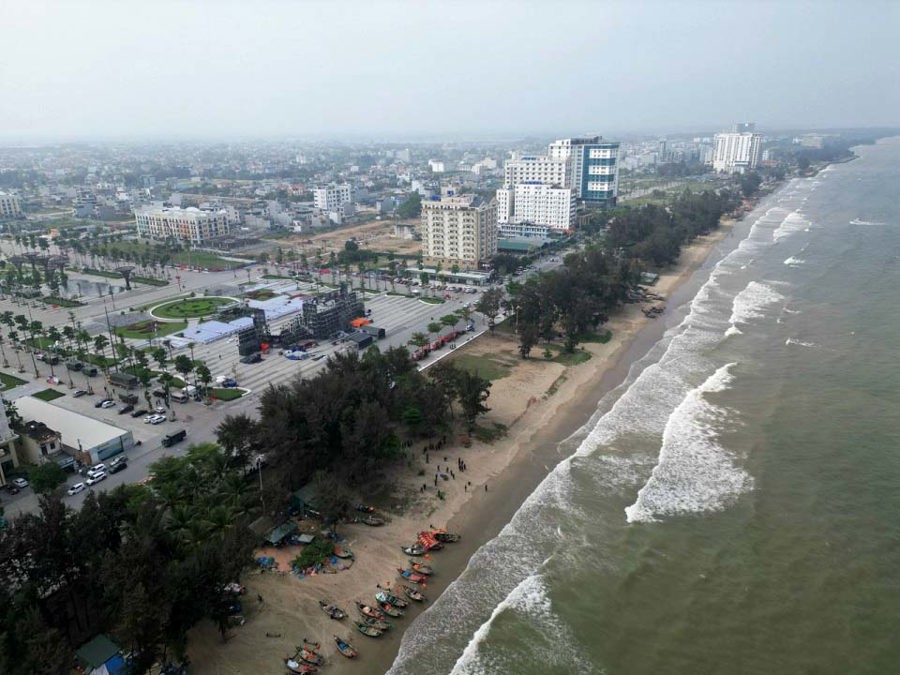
(695, 473)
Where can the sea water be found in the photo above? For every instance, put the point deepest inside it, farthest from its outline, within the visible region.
(734, 506)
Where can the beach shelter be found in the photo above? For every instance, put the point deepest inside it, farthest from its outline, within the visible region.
(101, 656)
(281, 532)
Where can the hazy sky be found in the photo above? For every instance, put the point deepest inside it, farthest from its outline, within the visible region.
(214, 68)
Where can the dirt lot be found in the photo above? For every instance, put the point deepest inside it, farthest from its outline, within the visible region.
(377, 236)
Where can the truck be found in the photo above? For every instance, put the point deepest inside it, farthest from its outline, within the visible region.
(175, 437)
(179, 395)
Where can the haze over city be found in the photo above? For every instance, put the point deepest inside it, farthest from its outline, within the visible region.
(271, 69)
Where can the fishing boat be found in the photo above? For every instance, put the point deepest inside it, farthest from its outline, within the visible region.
(413, 594)
(390, 610)
(345, 648)
(379, 624)
(343, 552)
(412, 576)
(369, 611)
(299, 668)
(428, 542)
(446, 537)
(390, 598)
(368, 630)
(333, 611)
(421, 568)
(415, 550)
(309, 656)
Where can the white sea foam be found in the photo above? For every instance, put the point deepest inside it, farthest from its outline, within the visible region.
(695, 473)
(557, 648)
(733, 330)
(794, 262)
(800, 343)
(750, 302)
(860, 221)
(793, 222)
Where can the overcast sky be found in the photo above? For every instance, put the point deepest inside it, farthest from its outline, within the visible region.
(220, 69)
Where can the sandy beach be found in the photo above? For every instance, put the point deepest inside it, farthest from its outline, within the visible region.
(540, 402)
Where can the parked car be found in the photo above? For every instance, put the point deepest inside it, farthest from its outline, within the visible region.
(96, 478)
(160, 410)
(139, 412)
(154, 419)
(79, 393)
(119, 463)
(20, 483)
(75, 489)
(102, 403)
(251, 358)
(229, 382)
(94, 470)
(12, 489)
(126, 409)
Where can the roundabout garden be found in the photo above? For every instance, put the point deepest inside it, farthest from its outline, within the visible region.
(191, 308)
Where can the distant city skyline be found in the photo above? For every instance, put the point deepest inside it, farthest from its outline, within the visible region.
(391, 70)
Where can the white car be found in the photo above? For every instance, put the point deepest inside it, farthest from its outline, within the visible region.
(96, 478)
(99, 468)
(75, 489)
(156, 419)
(108, 404)
(20, 483)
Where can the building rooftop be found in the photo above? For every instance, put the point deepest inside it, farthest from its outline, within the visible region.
(73, 426)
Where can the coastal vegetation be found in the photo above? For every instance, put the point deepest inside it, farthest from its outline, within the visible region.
(574, 300)
(354, 418)
(143, 565)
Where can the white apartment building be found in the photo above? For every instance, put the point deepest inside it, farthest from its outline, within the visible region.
(537, 168)
(459, 230)
(549, 206)
(9, 206)
(332, 197)
(436, 166)
(736, 152)
(183, 225)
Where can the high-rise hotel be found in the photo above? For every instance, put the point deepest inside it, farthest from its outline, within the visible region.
(459, 230)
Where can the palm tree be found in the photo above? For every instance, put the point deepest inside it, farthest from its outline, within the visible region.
(3, 351)
(14, 338)
(205, 376)
(100, 343)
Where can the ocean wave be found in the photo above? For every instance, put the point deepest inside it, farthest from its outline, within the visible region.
(793, 222)
(750, 302)
(552, 643)
(860, 221)
(695, 473)
(801, 343)
(794, 262)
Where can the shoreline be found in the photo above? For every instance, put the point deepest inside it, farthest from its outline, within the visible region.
(511, 467)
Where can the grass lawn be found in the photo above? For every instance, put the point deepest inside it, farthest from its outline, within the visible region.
(226, 394)
(99, 361)
(602, 338)
(9, 381)
(48, 394)
(432, 301)
(144, 330)
(487, 366)
(564, 357)
(191, 308)
(61, 302)
(150, 281)
(276, 276)
(101, 273)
